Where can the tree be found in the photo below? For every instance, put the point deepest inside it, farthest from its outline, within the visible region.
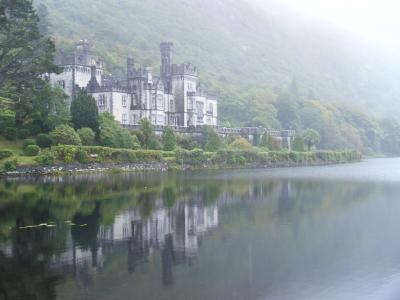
(114, 136)
(44, 23)
(169, 139)
(48, 108)
(84, 111)
(87, 136)
(25, 54)
(272, 143)
(294, 88)
(65, 135)
(186, 141)
(298, 144)
(287, 111)
(147, 132)
(391, 136)
(311, 138)
(241, 144)
(211, 140)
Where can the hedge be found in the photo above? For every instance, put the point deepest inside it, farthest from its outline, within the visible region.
(4, 153)
(191, 157)
(84, 154)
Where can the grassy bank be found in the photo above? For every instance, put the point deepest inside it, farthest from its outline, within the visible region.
(194, 159)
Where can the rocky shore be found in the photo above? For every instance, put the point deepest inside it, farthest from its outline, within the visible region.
(89, 168)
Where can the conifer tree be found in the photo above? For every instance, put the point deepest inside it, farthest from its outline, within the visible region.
(84, 111)
(169, 139)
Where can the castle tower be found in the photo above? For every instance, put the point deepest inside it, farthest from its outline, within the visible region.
(166, 65)
(130, 65)
(130, 71)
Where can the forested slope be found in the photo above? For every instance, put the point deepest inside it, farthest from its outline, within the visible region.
(248, 57)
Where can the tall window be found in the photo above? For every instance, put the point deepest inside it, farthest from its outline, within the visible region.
(124, 119)
(124, 101)
(211, 108)
(102, 100)
(171, 105)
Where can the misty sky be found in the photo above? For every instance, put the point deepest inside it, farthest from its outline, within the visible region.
(375, 20)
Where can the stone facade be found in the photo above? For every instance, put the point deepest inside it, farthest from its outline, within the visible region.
(173, 98)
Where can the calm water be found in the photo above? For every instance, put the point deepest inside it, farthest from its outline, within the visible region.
(312, 233)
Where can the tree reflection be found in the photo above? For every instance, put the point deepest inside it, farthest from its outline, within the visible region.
(137, 217)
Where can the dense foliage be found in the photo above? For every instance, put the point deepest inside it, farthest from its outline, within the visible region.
(84, 111)
(65, 135)
(254, 90)
(114, 136)
(87, 136)
(169, 139)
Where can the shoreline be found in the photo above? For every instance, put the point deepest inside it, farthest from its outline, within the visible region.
(165, 166)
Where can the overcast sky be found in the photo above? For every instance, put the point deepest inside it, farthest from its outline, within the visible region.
(375, 20)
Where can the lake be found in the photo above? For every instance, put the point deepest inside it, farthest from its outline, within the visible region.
(306, 233)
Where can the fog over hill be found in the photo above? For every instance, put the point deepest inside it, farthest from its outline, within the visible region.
(237, 46)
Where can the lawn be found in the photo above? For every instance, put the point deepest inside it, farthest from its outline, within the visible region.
(16, 148)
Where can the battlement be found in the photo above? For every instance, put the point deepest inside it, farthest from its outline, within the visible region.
(185, 69)
(166, 47)
(83, 45)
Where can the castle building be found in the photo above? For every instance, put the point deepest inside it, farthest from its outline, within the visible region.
(173, 98)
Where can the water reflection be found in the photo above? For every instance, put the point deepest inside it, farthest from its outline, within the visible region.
(126, 235)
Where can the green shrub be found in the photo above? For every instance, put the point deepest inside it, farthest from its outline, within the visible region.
(169, 139)
(186, 141)
(298, 144)
(167, 154)
(10, 165)
(87, 136)
(154, 143)
(65, 153)
(31, 150)
(23, 133)
(11, 133)
(211, 140)
(241, 144)
(4, 153)
(28, 142)
(191, 157)
(114, 136)
(124, 156)
(65, 135)
(7, 120)
(44, 140)
(81, 156)
(271, 142)
(233, 157)
(148, 155)
(46, 158)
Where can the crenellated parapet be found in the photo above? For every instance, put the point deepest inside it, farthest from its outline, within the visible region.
(185, 69)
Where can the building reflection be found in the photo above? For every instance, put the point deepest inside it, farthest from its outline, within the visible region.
(175, 232)
(168, 225)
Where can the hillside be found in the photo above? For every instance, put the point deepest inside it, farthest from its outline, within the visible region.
(235, 46)
(270, 67)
